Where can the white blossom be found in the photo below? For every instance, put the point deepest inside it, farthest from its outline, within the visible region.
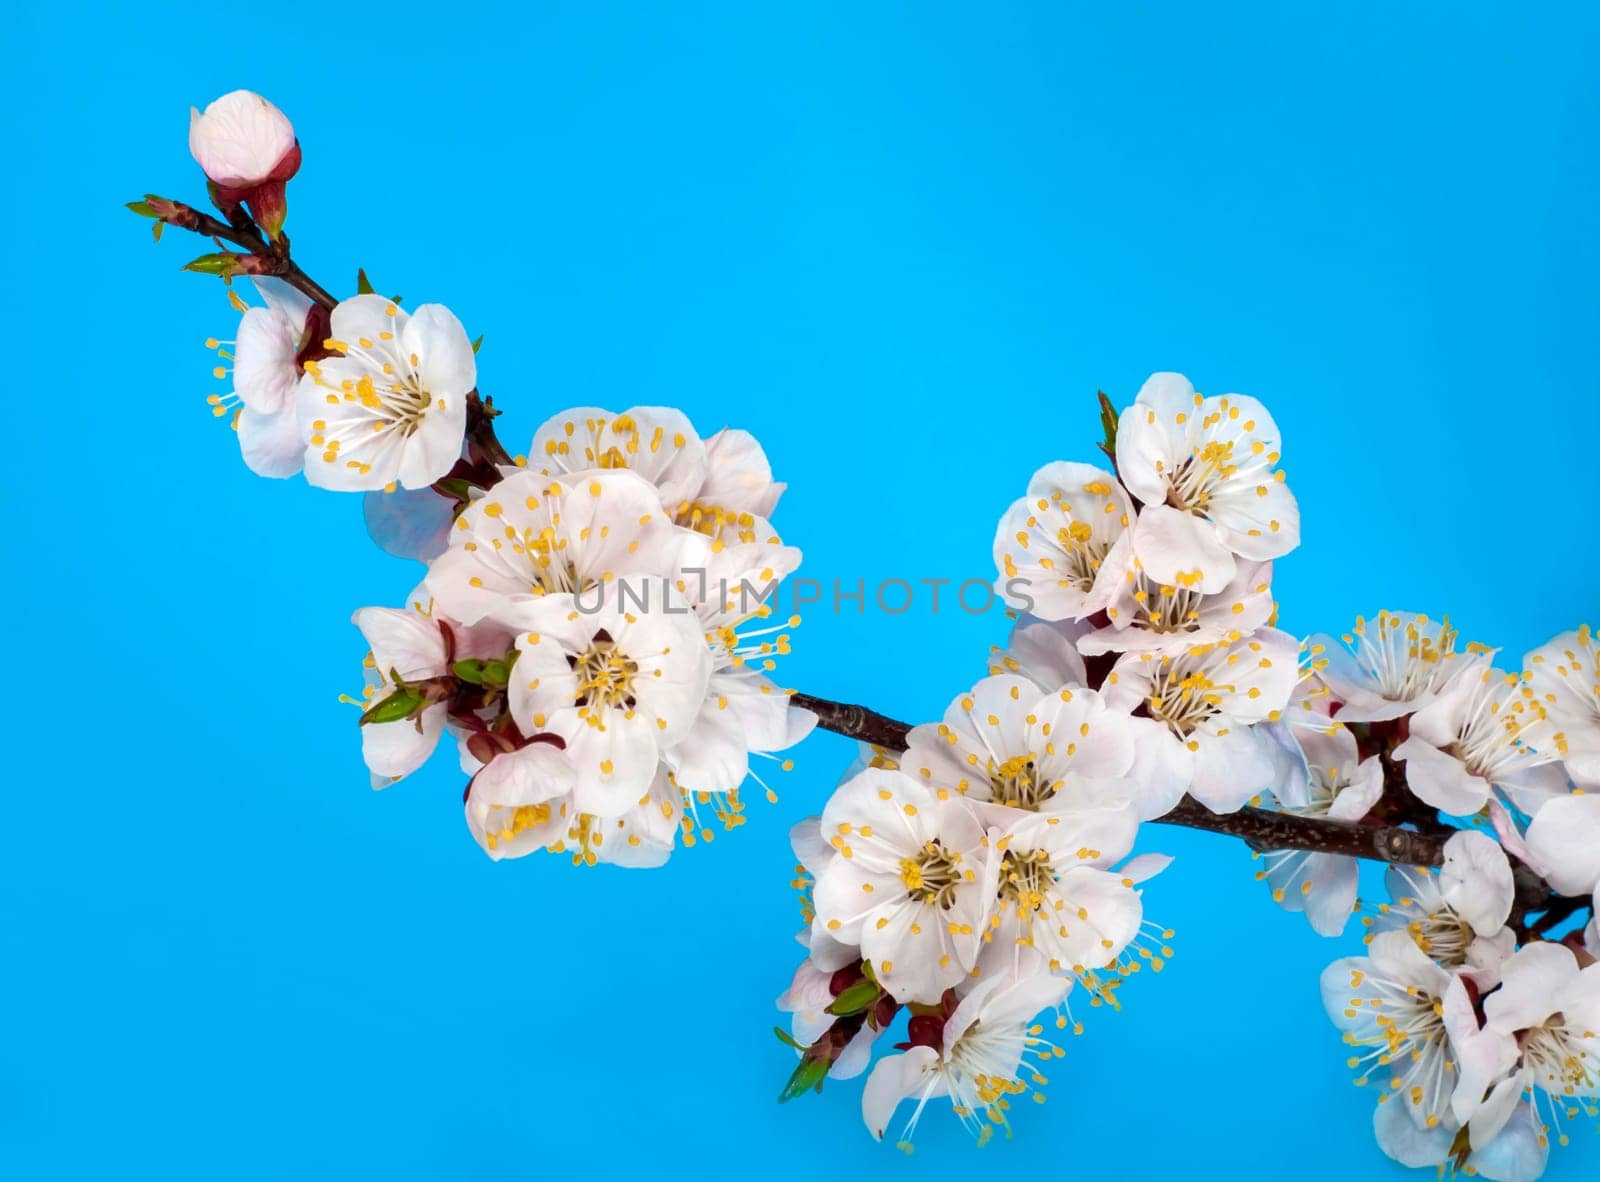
(721, 487)
(1565, 674)
(531, 536)
(1391, 1005)
(1484, 730)
(1206, 468)
(1458, 914)
(1051, 545)
(1394, 665)
(1006, 747)
(1043, 651)
(1147, 615)
(1207, 699)
(908, 886)
(391, 404)
(990, 1051)
(619, 679)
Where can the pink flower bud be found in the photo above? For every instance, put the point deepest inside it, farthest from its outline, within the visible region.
(242, 140)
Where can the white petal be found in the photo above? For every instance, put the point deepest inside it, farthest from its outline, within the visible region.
(1565, 837)
(895, 1078)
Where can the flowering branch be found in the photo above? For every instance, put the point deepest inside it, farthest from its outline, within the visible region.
(585, 633)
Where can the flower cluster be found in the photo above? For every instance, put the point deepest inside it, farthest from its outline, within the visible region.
(1470, 1009)
(594, 629)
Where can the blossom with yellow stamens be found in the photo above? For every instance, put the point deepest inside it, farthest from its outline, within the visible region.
(1207, 468)
(908, 886)
(390, 405)
(1051, 546)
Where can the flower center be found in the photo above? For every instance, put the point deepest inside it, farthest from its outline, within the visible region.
(1556, 1053)
(605, 674)
(1443, 935)
(1197, 478)
(1407, 657)
(1083, 554)
(932, 875)
(1025, 876)
(1183, 697)
(1165, 608)
(1015, 783)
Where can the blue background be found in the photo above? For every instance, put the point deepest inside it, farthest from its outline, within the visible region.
(904, 246)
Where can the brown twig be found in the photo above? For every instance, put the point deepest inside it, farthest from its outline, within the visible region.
(273, 258)
(1261, 829)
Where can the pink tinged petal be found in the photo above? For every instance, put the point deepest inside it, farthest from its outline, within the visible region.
(1476, 880)
(393, 750)
(1044, 653)
(1511, 839)
(1482, 1060)
(270, 443)
(1100, 918)
(239, 139)
(1440, 779)
(738, 476)
(402, 641)
(264, 374)
(808, 989)
(1565, 838)
(514, 802)
(1182, 550)
(896, 1078)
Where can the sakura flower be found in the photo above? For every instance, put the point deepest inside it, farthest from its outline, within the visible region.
(1056, 894)
(721, 487)
(265, 371)
(814, 854)
(1007, 747)
(619, 680)
(1342, 787)
(1565, 675)
(520, 800)
(391, 403)
(1206, 468)
(1147, 615)
(1391, 1006)
(1395, 665)
(408, 645)
(531, 536)
(908, 886)
(1043, 651)
(1207, 699)
(1539, 1032)
(989, 1051)
(1564, 839)
(1484, 730)
(1052, 543)
(1457, 915)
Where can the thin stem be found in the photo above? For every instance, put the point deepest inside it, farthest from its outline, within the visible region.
(274, 257)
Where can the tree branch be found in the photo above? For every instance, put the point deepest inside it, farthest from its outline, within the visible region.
(1261, 829)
